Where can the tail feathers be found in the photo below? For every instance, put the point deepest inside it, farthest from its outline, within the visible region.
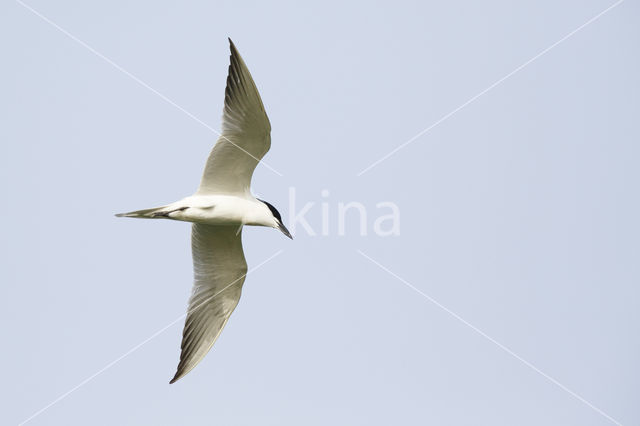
(146, 213)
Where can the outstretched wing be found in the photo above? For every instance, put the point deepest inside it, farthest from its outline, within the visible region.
(219, 269)
(245, 134)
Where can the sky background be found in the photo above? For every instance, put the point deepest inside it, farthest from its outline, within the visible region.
(518, 214)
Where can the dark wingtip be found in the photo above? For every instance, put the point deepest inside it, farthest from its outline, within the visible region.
(232, 46)
(175, 379)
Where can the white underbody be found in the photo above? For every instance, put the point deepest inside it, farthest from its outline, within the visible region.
(221, 210)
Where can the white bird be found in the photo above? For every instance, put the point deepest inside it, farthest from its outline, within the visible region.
(219, 209)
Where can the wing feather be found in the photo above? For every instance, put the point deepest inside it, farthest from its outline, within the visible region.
(219, 272)
(245, 134)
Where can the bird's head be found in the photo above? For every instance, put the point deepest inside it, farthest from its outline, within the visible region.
(277, 219)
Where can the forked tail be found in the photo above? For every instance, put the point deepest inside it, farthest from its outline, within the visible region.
(145, 214)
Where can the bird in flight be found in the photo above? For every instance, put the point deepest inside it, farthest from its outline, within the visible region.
(219, 209)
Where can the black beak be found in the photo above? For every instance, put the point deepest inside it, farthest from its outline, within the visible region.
(284, 230)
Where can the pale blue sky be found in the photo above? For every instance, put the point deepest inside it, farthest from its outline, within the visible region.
(519, 213)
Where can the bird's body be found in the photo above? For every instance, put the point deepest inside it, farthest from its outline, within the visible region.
(213, 210)
(219, 209)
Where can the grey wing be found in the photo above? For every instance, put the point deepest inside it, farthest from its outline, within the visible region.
(220, 269)
(245, 135)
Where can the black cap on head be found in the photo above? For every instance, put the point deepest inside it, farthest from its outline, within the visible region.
(274, 211)
(278, 217)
